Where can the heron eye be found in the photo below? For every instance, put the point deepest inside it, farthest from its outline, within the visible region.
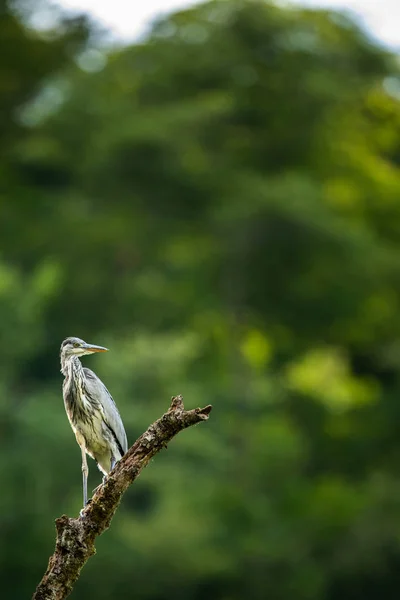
(76, 344)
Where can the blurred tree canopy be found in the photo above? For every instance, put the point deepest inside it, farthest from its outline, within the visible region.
(219, 205)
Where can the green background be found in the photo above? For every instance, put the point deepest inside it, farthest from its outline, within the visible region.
(219, 205)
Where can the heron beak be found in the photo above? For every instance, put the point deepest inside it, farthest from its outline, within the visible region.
(93, 348)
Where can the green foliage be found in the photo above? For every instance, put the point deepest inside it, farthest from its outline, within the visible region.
(219, 206)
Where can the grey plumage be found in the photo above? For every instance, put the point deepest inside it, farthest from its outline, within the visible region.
(91, 410)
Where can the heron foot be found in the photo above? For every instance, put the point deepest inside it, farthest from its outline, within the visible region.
(96, 489)
(81, 512)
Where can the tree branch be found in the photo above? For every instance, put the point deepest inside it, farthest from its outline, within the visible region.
(76, 537)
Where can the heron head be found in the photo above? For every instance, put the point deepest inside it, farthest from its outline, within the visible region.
(74, 346)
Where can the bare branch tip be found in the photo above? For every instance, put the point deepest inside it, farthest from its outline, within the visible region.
(176, 403)
(204, 412)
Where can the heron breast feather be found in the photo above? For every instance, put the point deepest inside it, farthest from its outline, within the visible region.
(92, 429)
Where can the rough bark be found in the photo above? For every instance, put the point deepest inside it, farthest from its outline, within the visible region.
(75, 542)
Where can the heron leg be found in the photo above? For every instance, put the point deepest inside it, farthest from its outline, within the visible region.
(113, 461)
(85, 468)
(85, 473)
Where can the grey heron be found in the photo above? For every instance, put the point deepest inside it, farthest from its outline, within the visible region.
(91, 410)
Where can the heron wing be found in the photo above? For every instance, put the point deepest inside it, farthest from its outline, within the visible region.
(96, 389)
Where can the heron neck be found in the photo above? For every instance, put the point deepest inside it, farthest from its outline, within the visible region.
(71, 364)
